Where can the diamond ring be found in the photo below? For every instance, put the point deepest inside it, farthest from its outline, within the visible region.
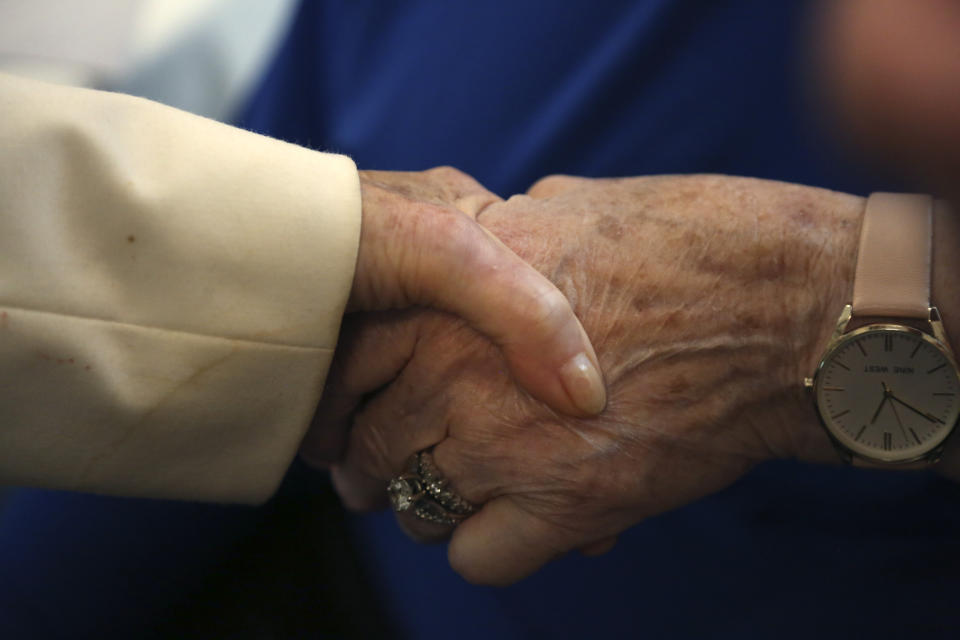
(424, 491)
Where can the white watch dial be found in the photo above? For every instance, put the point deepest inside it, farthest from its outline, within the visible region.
(888, 393)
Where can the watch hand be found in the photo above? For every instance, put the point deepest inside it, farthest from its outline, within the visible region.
(886, 394)
(930, 417)
(899, 422)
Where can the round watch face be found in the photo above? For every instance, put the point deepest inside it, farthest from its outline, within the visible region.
(888, 393)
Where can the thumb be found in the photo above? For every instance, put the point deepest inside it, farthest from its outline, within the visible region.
(423, 253)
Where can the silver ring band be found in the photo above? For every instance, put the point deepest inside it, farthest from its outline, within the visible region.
(423, 490)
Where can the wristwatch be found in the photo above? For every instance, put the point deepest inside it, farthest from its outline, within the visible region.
(887, 388)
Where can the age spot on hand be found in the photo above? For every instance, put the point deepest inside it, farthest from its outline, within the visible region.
(610, 228)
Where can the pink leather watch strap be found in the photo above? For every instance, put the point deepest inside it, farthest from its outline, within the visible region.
(893, 265)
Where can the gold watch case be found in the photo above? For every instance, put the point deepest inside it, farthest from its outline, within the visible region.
(915, 452)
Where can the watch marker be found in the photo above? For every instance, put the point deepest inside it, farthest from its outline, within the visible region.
(915, 349)
(937, 368)
(840, 364)
(915, 437)
(943, 393)
(887, 440)
(842, 413)
(862, 350)
(860, 433)
(842, 389)
(888, 343)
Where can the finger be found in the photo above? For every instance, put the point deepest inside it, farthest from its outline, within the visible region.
(467, 271)
(422, 531)
(385, 433)
(372, 350)
(502, 544)
(408, 417)
(555, 185)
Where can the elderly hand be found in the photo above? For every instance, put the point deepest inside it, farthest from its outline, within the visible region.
(708, 299)
(420, 244)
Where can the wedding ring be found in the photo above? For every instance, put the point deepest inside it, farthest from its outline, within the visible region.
(422, 490)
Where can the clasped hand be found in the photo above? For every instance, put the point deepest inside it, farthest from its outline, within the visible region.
(707, 299)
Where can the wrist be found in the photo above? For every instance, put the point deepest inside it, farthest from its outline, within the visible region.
(809, 440)
(819, 231)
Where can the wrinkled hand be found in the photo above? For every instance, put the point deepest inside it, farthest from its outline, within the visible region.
(708, 299)
(420, 245)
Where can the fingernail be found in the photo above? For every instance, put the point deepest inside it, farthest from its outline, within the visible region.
(584, 385)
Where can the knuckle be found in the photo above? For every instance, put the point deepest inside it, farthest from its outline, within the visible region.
(448, 175)
(552, 184)
(518, 200)
(446, 172)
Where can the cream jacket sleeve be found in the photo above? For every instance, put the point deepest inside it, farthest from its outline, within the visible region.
(170, 295)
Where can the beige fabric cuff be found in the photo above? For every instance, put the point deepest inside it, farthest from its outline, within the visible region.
(170, 294)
